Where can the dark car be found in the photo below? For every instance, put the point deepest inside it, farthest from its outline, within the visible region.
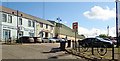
(26, 39)
(96, 42)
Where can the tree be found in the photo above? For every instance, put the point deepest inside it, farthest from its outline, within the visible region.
(83, 36)
(103, 36)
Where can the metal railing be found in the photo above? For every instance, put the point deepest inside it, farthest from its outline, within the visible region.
(101, 51)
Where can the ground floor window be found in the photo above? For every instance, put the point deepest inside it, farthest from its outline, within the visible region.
(6, 34)
(31, 34)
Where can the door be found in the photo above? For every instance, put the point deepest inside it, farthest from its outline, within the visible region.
(6, 34)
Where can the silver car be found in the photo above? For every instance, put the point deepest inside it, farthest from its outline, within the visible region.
(45, 40)
(54, 39)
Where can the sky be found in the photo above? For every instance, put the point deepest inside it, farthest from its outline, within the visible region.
(92, 17)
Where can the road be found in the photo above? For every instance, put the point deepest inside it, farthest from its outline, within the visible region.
(35, 51)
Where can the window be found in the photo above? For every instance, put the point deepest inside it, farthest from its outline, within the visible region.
(4, 18)
(51, 27)
(6, 34)
(46, 26)
(41, 25)
(9, 19)
(29, 23)
(31, 34)
(33, 23)
(20, 21)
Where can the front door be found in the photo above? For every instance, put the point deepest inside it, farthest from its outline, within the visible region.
(6, 34)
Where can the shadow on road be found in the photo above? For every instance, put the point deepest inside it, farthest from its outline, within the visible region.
(53, 50)
(53, 57)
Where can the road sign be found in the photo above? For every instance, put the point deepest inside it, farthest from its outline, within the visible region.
(75, 26)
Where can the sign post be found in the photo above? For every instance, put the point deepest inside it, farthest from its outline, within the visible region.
(75, 28)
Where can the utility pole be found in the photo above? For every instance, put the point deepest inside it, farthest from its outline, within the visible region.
(117, 26)
(17, 25)
(117, 21)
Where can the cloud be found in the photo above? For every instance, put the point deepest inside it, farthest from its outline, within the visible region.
(95, 32)
(98, 12)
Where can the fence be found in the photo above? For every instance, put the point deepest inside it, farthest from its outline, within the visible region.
(100, 51)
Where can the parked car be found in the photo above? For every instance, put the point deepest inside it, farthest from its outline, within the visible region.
(63, 39)
(55, 39)
(37, 39)
(114, 41)
(45, 40)
(26, 39)
(96, 42)
(52, 40)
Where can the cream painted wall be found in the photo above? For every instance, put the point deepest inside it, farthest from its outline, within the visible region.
(38, 29)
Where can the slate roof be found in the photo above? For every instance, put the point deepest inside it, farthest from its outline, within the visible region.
(24, 15)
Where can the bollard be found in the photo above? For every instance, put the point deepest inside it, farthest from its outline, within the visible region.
(62, 45)
(69, 43)
(73, 44)
(79, 45)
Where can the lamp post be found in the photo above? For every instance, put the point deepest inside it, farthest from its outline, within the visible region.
(59, 25)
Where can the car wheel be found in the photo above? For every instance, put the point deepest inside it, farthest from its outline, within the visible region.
(102, 50)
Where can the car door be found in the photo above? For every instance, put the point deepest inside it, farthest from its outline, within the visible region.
(97, 42)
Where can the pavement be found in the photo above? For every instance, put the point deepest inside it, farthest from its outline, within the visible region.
(35, 51)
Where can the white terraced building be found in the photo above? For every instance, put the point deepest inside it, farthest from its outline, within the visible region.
(15, 24)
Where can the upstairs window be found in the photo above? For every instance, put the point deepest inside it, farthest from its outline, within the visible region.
(46, 26)
(33, 23)
(9, 19)
(20, 21)
(41, 25)
(4, 18)
(51, 27)
(29, 23)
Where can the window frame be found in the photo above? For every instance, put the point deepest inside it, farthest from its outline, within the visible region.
(9, 18)
(29, 23)
(46, 26)
(33, 23)
(20, 21)
(41, 25)
(4, 17)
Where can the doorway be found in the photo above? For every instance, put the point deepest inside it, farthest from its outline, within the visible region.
(6, 34)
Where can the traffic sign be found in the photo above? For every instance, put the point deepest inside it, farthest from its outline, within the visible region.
(75, 26)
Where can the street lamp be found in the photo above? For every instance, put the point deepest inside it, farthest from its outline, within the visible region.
(59, 25)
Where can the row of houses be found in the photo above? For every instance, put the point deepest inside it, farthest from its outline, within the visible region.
(15, 24)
